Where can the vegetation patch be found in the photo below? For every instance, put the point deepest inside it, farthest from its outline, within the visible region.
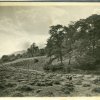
(24, 88)
(96, 89)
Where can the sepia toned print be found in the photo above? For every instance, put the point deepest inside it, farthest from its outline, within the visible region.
(49, 50)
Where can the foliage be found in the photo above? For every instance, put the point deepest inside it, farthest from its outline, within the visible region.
(85, 62)
(55, 42)
(24, 88)
(5, 58)
(53, 67)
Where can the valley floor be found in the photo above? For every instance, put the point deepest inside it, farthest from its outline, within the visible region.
(19, 82)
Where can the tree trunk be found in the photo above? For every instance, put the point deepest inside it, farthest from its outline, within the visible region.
(69, 59)
(61, 59)
(51, 60)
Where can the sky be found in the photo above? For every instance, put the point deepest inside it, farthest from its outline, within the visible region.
(20, 26)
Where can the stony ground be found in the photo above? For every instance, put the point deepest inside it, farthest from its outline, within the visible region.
(17, 80)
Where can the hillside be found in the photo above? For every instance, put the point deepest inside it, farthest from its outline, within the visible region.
(24, 77)
(19, 52)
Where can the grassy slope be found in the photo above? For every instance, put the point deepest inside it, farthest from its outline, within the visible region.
(14, 76)
(26, 63)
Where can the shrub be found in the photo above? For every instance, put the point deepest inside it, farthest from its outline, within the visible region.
(36, 60)
(85, 62)
(46, 93)
(53, 68)
(86, 85)
(68, 69)
(39, 90)
(49, 83)
(17, 94)
(57, 82)
(2, 86)
(40, 84)
(10, 84)
(97, 90)
(24, 88)
(67, 88)
(46, 67)
(5, 58)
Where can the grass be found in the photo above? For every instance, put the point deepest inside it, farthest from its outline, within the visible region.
(18, 81)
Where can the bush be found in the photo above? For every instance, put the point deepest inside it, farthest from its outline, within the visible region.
(97, 90)
(24, 88)
(5, 58)
(17, 94)
(67, 88)
(2, 86)
(68, 69)
(57, 82)
(36, 60)
(40, 84)
(47, 93)
(10, 85)
(86, 62)
(53, 68)
(86, 85)
(49, 83)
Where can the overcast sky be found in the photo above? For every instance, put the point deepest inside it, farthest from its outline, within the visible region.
(21, 26)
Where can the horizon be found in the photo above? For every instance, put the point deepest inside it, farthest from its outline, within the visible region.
(21, 26)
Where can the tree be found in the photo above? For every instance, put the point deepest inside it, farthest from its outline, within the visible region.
(69, 40)
(49, 48)
(5, 58)
(87, 38)
(33, 50)
(55, 42)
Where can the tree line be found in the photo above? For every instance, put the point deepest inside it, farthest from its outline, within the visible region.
(80, 40)
(32, 51)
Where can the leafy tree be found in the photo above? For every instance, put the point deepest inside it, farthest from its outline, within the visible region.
(5, 58)
(69, 40)
(33, 50)
(56, 41)
(87, 38)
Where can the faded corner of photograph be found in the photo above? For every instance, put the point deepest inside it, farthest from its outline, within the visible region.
(50, 51)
